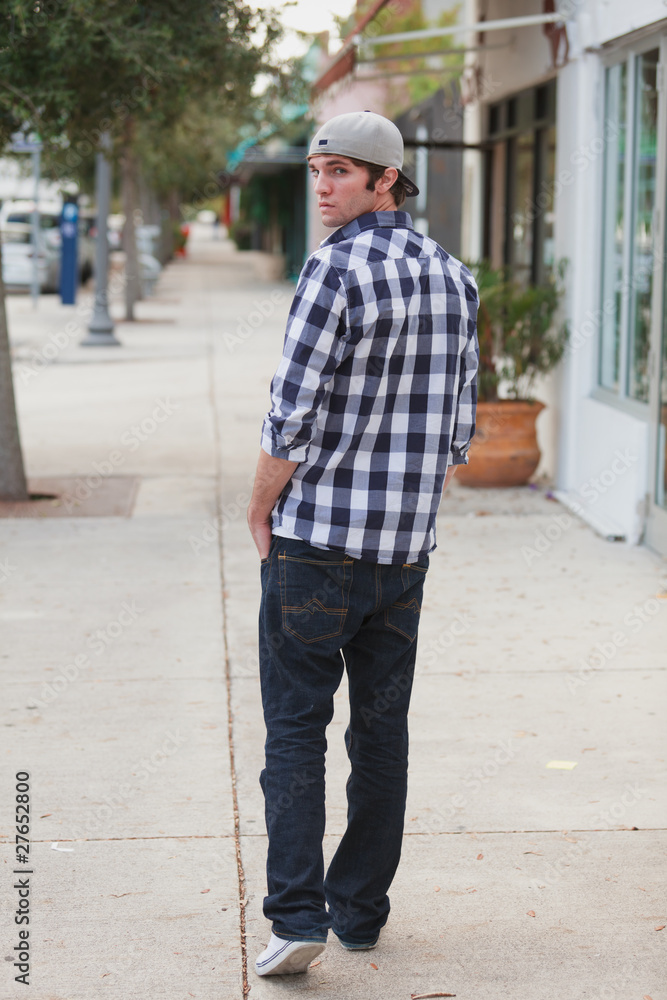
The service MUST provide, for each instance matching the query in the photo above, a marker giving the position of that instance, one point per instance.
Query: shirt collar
(370, 220)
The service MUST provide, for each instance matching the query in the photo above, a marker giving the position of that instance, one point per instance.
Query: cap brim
(411, 189)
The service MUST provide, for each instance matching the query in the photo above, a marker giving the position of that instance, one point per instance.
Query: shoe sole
(296, 961)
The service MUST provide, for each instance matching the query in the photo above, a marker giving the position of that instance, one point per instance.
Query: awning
(347, 59)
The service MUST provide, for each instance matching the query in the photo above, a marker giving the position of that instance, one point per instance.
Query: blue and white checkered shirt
(375, 393)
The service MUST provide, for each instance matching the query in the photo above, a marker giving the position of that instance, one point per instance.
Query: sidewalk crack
(217, 444)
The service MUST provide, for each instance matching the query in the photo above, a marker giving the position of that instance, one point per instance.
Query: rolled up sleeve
(312, 350)
(464, 423)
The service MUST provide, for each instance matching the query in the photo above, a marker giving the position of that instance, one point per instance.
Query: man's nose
(321, 183)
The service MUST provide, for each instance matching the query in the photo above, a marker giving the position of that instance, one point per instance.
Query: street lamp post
(101, 327)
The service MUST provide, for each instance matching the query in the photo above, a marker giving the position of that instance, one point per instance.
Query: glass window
(545, 203)
(646, 146)
(519, 199)
(631, 119)
(613, 225)
(661, 479)
(521, 236)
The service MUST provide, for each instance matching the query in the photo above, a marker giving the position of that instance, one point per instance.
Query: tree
(74, 71)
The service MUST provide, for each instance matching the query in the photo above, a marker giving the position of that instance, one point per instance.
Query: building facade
(564, 158)
(575, 115)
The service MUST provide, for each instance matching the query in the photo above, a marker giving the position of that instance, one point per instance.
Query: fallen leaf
(437, 888)
(44, 815)
(640, 889)
(647, 997)
(424, 996)
(660, 927)
(204, 890)
(480, 857)
(533, 852)
(571, 840)
(588, 748)
(313, 964)
(531, 913)
(373, 966)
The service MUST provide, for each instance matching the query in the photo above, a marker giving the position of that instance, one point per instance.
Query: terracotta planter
(504, 450)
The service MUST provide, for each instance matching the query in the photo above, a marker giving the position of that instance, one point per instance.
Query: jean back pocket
(314, 596)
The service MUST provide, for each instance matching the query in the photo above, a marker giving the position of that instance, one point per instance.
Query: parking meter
(69, 227)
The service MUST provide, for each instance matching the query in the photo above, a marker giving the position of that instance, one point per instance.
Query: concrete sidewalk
(129, 669)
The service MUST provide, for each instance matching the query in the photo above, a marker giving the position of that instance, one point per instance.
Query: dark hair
(375, 172)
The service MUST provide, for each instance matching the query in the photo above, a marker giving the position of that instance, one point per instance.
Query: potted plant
(519, 339)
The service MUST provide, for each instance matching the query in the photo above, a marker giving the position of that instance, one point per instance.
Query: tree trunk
(130, 204)
(12, 476)
(173, 206)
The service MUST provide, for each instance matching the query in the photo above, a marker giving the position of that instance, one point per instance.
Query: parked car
(20, 213)
(18, 257)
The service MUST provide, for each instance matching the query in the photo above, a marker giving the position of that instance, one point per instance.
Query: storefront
(610, 211)
(577, 170)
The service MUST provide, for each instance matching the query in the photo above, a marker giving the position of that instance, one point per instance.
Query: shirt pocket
(314, 596)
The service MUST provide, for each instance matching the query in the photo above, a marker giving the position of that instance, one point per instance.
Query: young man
(372, 401)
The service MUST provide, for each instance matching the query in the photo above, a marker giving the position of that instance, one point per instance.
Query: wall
(598, 442)
(520, 57)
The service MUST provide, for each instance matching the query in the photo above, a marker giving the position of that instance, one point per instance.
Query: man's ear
(387, 181)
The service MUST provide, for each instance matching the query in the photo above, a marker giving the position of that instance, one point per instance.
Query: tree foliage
(415, 70)
(73, 70)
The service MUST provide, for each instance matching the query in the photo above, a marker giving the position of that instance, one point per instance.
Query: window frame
(527, 112)
(628, 54)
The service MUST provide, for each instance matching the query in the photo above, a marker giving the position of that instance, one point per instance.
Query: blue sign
(68, 253)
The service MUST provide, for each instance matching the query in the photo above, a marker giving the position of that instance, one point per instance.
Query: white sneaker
(281, 956)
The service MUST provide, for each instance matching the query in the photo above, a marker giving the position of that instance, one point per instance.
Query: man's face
(341, 189)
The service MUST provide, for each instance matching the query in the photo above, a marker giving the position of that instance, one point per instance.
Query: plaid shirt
(375, 393)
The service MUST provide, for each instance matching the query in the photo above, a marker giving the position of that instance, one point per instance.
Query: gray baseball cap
(363, 135)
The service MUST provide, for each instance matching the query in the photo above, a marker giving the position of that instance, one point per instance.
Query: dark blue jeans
(323, 612)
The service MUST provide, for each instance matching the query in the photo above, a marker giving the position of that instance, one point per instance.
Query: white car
(20, 213)
(18, 259)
